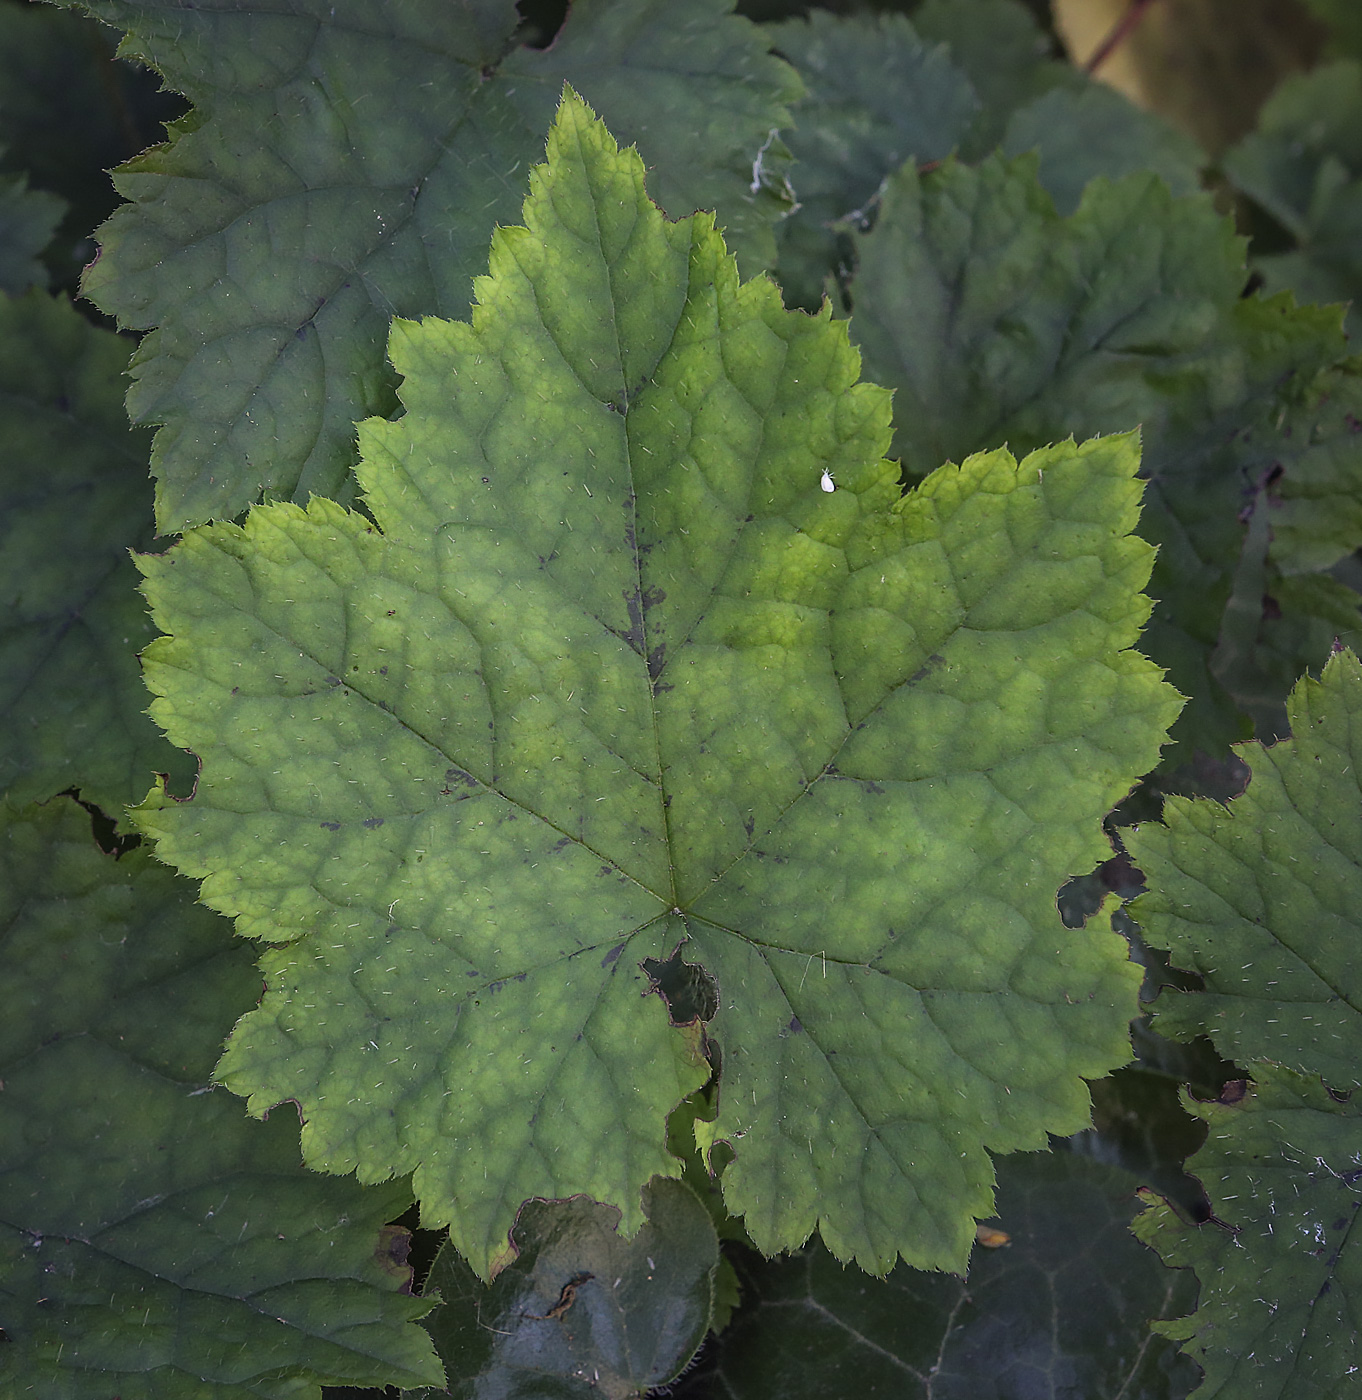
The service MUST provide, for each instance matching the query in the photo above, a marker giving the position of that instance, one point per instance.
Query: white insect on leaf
(827, 482)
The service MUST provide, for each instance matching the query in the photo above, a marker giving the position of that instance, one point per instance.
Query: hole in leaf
(104, 829)
(688, 990)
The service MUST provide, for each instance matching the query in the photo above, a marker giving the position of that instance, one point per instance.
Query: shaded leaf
(1008, 59)
(74, 497)
(27, 220)
(1280, 1276)
(1061, 1311)
(877, 96)
(1231, 485)
(580, 1312)
(694, 87)
(346, 164)
(1261, 897)
(1026, 326)
(1304, 166)
(154, 1242)
(997, 321)
(1082, 132)
(477, 765)
(1139, 1126)
(880, 96)
(1316, 505)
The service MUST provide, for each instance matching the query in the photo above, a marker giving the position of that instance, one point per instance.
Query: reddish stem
(1120, 32)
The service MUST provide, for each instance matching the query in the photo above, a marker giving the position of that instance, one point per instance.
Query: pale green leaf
(154, 1242)
(1262, 897)
(641, 619)
(580, 1313)
(1280, 1275)
(74, 498)
(344, 164)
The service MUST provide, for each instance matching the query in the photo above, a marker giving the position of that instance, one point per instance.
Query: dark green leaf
(995, 320)
(693, 87)
(1280, 1275)
(1059, 1313)
(68, 112)
(877, 97)
(1139, 1125)
(154, 1242)
(580, 1312)
(1304, 166)
(1082, 132)
(1003, 52)
(1262, 897)
(27, 220)
(345, 164)
(74, 498)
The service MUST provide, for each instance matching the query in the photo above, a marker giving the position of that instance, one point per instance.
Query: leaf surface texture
(1261, 898)
(1279, 1269)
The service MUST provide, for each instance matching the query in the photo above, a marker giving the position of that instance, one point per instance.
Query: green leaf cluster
(638, 693)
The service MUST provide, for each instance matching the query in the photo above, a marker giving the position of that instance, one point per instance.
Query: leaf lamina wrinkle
(839, 748)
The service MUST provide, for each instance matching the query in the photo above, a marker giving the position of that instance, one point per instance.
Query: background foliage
(1021, 254)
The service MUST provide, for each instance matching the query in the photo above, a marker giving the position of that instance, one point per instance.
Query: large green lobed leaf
(641, 648)
(154, 1242)
(345, 164)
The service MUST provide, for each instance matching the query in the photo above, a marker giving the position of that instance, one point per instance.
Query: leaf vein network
(447, 758)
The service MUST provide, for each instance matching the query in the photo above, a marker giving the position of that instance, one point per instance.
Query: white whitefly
(827, 482)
